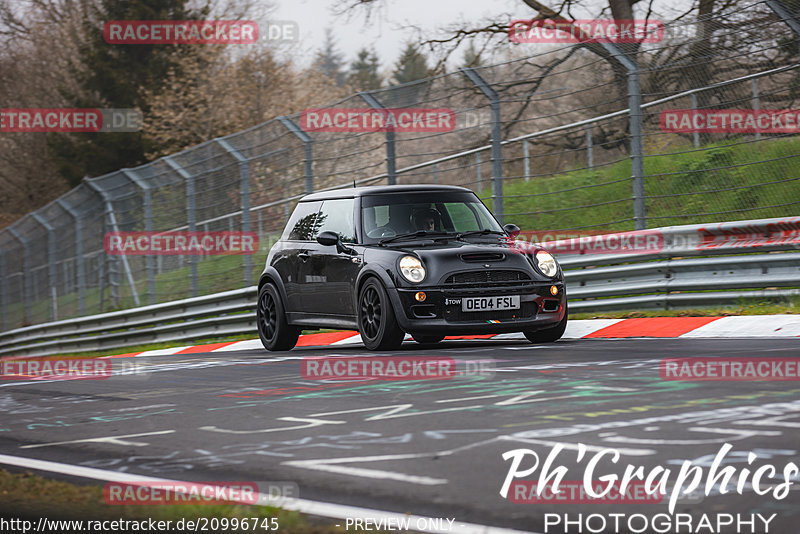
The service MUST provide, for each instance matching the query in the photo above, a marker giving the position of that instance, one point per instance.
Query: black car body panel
(320, 284)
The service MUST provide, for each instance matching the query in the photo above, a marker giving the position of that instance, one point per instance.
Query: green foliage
(116, 76)
(364, 71)
(724, 181)
(411, 66)
(329, 60)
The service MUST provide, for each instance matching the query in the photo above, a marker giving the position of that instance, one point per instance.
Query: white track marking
(355, 339)
(750, 326)
(115, 440)
(163, 352)
(317, 508)
(249, 344)
(330, 465)
(582, 328)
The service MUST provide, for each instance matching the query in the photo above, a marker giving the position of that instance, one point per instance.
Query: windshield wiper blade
(418, 233)
(485, 231)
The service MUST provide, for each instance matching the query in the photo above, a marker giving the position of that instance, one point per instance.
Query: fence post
(3, 292)
(191, 219)
(478, 168)
(756, 104)
(101, 281)
(787, 16)
(148, 227)
(244, 195)
(51, 261)
(589, 147)
(308, 152)
(637, 150)
(112, 220)
(497, 151)
(526, 160)
(391, 156)
(26, 268)
(696, 134)
(79, 259)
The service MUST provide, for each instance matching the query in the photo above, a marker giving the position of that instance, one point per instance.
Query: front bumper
(441, 314)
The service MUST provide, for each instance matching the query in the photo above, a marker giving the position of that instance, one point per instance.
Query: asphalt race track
(427, 447)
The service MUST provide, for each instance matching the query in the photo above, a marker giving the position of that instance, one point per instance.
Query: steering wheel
(381, 231)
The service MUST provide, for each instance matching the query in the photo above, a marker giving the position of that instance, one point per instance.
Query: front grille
(486, 276)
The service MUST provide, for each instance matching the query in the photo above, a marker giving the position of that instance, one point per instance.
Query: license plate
(474, 304)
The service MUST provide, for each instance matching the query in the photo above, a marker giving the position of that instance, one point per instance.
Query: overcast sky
(387, 29)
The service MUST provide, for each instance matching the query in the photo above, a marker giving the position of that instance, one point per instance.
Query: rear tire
(428, 339)
(376, 320)
(275, 332)
(548, 335)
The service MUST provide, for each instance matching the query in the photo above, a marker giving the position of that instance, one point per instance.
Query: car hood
(443, 259)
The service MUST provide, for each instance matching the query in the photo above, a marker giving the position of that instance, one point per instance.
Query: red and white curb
(744, 326)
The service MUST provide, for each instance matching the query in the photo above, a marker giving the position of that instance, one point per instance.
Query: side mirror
(512, 230)
(329, 239)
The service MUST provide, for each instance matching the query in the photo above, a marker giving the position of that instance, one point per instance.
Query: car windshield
(424, 214)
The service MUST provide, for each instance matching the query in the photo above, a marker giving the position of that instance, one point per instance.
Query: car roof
(380, 190)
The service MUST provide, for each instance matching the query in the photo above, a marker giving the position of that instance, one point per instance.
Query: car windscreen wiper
(418, 233)
(485, 231)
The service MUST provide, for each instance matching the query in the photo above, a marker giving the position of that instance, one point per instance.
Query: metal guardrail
(714, 264)
(220, 314)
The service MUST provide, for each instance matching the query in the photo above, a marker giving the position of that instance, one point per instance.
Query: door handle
(304, 256)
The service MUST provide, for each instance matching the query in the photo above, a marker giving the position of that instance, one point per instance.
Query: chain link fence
(567, 137)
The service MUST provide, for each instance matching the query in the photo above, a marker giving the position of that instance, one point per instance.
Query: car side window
(304, 224)
(337, 216)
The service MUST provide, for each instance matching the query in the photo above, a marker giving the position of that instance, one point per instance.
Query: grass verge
(29, 496)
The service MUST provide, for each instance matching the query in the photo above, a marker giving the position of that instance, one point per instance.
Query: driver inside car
(428, 220)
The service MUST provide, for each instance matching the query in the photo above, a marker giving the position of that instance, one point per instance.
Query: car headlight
(411, 269)
(546, 263)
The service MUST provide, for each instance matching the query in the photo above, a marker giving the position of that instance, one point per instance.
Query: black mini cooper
(429, 260)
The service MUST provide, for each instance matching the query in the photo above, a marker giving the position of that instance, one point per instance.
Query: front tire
(275, 332)
(376, 320)
(548, 335)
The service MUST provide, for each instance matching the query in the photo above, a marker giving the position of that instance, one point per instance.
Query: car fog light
(420, 296)
(553, 290)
